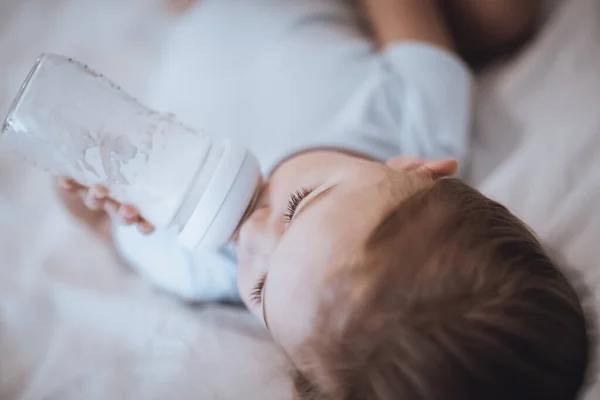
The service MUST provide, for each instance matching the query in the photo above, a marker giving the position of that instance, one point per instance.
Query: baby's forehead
(354, 217)
(354, 246)
(322, 251)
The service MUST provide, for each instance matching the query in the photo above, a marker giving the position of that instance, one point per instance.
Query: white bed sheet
(74, 324)
(537, 143)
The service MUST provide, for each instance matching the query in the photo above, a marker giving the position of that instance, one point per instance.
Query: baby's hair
(454, 299)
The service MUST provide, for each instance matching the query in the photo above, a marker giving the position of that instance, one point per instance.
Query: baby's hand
(180, 5)
(97, 201)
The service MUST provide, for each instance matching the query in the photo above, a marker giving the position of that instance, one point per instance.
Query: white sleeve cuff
(198, 276)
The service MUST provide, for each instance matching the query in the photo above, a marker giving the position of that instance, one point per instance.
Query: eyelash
(256, 293)
(295, 200)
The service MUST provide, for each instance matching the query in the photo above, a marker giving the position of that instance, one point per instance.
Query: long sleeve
(416, 100)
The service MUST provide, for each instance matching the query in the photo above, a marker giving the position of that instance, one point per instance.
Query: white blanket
(75, 324)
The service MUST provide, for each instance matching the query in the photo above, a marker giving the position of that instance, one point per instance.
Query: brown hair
(455, 299)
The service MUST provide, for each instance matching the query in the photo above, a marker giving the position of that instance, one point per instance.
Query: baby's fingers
(68, 184)
(127, 215)
(145, 227)
(121, 214)
(111, 207)
(95, 197)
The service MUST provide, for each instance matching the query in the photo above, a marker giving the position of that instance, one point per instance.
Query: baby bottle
(72, 121)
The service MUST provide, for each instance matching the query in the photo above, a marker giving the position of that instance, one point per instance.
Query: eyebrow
(310, 200)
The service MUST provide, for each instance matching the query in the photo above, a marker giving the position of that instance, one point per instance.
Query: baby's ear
(442, 168)
(406, 163)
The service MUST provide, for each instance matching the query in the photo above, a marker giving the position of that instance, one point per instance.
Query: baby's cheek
(249, 256)
(251, 231)
(244, 283)
(259, 236)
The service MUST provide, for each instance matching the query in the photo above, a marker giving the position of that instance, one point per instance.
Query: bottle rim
(224, 202)
(24, 86)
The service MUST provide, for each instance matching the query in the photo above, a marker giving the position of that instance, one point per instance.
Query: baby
(380, 276)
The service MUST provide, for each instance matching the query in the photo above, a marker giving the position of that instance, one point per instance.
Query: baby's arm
(478, 30)
(417, 98)
(487, 29)
(408, 20)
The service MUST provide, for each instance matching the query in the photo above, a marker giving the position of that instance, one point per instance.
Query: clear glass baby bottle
(72, 121)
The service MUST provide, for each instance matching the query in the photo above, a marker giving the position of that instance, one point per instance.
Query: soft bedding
(75, 324)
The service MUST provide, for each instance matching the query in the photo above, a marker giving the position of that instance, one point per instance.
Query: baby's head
(387, 282)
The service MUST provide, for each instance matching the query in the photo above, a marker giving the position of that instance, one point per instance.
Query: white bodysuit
(282, 76)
